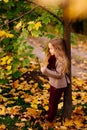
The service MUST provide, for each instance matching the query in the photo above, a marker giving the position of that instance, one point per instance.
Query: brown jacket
(56, 78)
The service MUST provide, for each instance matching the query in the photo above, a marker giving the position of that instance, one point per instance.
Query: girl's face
(51, 49)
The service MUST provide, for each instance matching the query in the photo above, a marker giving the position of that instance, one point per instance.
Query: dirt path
(79, 63)
(79, 56)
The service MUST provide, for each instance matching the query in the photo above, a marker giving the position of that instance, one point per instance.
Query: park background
(25, 29)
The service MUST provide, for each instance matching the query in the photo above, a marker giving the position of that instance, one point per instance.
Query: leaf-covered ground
(24, 102)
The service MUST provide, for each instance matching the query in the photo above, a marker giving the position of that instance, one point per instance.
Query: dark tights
(55, 95)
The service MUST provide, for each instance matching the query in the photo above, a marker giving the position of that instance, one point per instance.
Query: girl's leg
(55, 95)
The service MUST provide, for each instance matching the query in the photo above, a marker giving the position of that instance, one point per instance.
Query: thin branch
(44, 8)
(28, 12)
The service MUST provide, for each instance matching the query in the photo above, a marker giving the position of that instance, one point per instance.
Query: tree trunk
(67, 105)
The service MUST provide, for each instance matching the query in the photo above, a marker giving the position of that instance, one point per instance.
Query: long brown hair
(60, 53)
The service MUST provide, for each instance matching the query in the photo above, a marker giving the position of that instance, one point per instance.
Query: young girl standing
(56, 70)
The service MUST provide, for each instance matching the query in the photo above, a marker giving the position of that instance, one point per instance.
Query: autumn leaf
(3, 60)
(68, 122)
(9, 35)
(2, 127)
(78, 121)
(31, 25)
(78, 110)
(38, 25)
(22, 124)
(6, 1)
(13, 110)
(46, 108)
(18, 25)
(9, 60)
(8, 67)
(16, 83)
(6, 58)
(2, 110)
(43, 80)
(2, 33)
(32, 112)
(6, 34)
(3, 99)
(62, 128)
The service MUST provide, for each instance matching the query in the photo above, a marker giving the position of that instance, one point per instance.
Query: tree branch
(44, 8)
(28, 12)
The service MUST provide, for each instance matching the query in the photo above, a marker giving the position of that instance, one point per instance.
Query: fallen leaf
(16, 83)
(2, 110)
(20, 124)
(68, 122)
(2, 127)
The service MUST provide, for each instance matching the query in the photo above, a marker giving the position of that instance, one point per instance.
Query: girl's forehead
(49, 44)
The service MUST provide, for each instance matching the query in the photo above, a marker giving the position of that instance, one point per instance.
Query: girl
(56, 70)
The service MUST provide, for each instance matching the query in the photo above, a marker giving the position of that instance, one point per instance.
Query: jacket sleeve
(54, 73)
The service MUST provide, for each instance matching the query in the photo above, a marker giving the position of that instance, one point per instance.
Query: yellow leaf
(3, 62)
(63, 128)
(9, 102)
(2, 127)
(30, 129)
(9, 61)
(73, 97)
(6, 34)
(35, 85)
(46, 108)
(3, 59)
(37, 25)
(7, 57)
(2, 33)
(9, 35)
(2, 110)
(60, 105)
(35, 100)
(47, 86)
(6, 1)
(68, 122)
(13, 110)
(78, 121)
(3, 98)
(18, 25)
(31, 22)
(78, 110)
(16, 83)
(41, 78)
(8, 73)
(32, 112)
(34, 106)
(8, 67)
(20, 124)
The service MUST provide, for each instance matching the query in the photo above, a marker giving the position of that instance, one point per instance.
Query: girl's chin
(52, 54)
